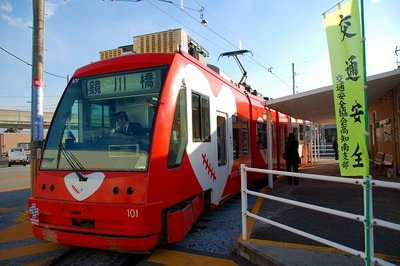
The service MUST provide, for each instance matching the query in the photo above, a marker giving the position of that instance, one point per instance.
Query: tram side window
(262, 135)
(245, 137)
(200, 117)
(283, 138)
(301, 129)
(273, 134)
(236, 141)
(221, 140)
(178, 139)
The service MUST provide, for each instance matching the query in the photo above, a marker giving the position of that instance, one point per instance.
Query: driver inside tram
(126, 127)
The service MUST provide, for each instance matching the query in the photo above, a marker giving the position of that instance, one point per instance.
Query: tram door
(222, 143)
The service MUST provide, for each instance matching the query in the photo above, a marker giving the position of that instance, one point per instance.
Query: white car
(17, 156)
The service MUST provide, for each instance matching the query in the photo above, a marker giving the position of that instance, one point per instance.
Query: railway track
(87, 256)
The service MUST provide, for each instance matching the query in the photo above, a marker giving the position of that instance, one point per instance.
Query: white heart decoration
(203, 156)
(81, 190)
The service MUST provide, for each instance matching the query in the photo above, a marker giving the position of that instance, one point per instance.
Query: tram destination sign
(123, 84)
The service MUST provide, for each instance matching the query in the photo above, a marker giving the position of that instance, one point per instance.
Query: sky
(279, 33)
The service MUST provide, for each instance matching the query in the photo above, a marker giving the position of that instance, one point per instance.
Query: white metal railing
(316, 151)
(369, 221)
(325, 149)
(320, 150)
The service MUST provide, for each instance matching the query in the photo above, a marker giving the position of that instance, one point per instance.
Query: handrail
(367, 181)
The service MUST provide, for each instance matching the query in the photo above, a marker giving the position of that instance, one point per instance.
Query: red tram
(98, 187)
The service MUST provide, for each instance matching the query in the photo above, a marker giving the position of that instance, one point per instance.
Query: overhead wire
(183, 10)
(269, 69)
(182, 23)
(250, 48)
(214, 17)
(216, 33)
(219, 35)
(29, 64)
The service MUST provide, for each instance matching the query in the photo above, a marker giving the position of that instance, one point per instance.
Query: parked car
(17, 156)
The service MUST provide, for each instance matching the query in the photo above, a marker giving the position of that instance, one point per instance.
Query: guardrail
(369, 221)
(323, 150)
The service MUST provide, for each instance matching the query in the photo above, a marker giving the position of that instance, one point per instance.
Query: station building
(383, 94)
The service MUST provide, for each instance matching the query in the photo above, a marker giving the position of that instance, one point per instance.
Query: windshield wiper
(74, 163)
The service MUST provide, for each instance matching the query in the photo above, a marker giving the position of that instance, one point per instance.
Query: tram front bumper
(123, 227)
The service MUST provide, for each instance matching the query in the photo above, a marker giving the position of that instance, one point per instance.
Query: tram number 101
(132, 213)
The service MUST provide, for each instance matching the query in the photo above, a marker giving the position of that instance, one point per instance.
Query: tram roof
(317, 105)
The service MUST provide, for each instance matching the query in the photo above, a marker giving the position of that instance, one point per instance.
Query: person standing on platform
(292, 157)
(335, 148)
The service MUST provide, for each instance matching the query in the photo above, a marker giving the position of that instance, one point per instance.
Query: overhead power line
(13, 55)
(202, 10)
(185, 25)
(29, 64)
(251, 58)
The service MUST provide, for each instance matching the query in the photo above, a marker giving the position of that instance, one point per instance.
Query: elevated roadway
(21, 119)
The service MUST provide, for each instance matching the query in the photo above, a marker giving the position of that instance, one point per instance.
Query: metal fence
(324, 150)
(369, 221)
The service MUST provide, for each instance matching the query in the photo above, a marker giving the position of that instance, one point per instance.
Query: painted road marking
(10, 182)
(14, 178)
(170, 257)
(3, 210)
(16, 232)
(23, 231)
(15, 188)
(30, 250)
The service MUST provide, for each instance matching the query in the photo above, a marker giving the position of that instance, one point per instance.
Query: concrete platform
(270, 245)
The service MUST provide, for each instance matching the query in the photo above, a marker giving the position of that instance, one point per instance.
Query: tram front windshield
(90, 129)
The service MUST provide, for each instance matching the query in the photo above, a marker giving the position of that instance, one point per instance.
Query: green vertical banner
(347, 64)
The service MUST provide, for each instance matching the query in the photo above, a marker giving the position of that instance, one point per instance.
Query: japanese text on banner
(347, 65)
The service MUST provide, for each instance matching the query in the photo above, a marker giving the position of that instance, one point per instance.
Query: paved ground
(18, 246)
(268, 245)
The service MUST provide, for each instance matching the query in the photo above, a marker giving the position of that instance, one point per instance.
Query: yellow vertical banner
(347, 65)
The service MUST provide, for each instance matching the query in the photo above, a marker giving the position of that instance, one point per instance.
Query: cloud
(50, 9)
(6, 13)
(6, 7)
(15, 21)
(53, 5)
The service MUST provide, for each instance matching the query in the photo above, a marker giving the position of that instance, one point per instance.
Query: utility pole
(294, 87)
(37, 88)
